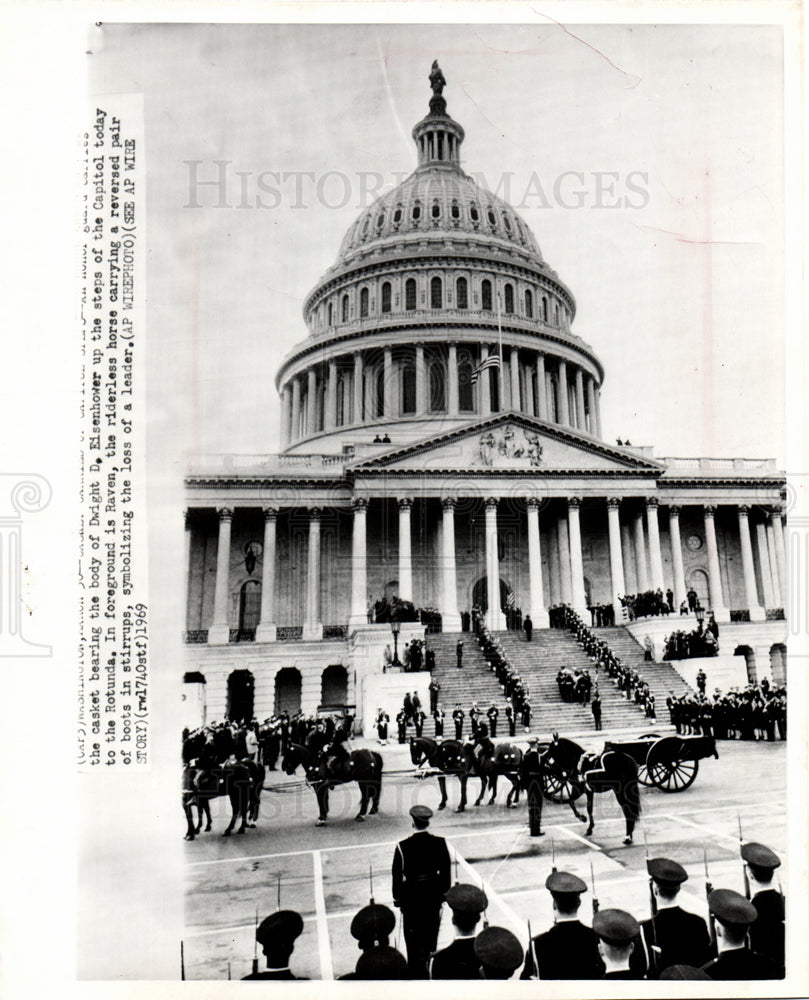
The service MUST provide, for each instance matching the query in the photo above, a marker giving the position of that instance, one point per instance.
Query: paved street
(324, 872)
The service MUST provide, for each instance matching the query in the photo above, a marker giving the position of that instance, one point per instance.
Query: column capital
(775, 512)
(225, 513)
(314, 513)
(651, 502)
(491, 502)
(448, 503)
(405, 503)
(573, 502)
(359, 504)
(743, 509)
(709, 509)
(614, 502)
(674, 510)
(532, 503)
(270, 513)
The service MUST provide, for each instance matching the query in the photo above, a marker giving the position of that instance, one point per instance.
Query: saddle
(339, 770)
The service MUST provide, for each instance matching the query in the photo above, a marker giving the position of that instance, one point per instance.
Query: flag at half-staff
(493, 361)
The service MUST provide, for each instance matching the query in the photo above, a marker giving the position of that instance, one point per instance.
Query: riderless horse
(448, 757)
(363, 766)
(571, 772)
(240, 782)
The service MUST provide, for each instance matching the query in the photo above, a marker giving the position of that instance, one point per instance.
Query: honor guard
(277, 935)
(421, 878)
(457, 960)
(733, 915)
(617, 932)
(498, 953)
(672, 936)
(569, 950)
(371, 926)
(381, 962)
(531, 782)
(767, 931)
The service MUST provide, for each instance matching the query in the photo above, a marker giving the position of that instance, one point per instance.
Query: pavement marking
(476, 879)
(578, 836)
(702, 827)
(324, 945)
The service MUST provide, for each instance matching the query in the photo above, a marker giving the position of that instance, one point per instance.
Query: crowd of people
(414, 657)
(601, 615)
(702, 641)
(744, 938)
(755, 712)
(516, 691)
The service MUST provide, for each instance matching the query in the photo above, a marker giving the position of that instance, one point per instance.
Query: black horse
(569, 772)
(363, 766)
(240, 782)
(448, 757)
(503, 760)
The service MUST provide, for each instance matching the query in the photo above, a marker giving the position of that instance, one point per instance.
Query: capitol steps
(661, 677)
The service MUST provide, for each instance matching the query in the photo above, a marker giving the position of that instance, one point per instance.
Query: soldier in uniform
(617, 932)
(401, 725)
(277, 935)
(458, 717)
(569, 950)
(371, 926)
(673, 936)
(733, 915)
(381, 962)
(421, 878)
(511, 720)
(499, 953)
(531, 783)
(438, 715)
(767, 931)
(492, 715)
(457, 960)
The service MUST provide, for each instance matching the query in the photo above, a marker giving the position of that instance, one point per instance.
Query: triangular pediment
(511, 442)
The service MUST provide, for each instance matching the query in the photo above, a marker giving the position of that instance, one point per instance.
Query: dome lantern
(438, 137)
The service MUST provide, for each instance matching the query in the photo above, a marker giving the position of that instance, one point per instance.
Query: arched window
(341, 399)
(363, 302)
(331, 314)
(397, 215)
(462, 293)
(486, 295)
(436, 210)
(408, 399)
(556, 314)
(438, 386)
(506, 222)
(380, 220)
(344, 309)
(466, 392)
(529, 303)
(509, 297)
(380, 391)
(436, 293)
(544, 316)
(473, 213)
(365, 228)
(249, 605)
(386, 297)
(491, 218)
(455, 212)
(416, 213)
(410, 294)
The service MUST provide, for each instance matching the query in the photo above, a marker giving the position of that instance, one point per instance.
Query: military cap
(421, 812)
(666, 872)
(683, 972)
(565, 882)
(465, 898)
(498, 948)
(759, 856)
(373, 921)
(731, 907)
(382, 962)
(285, 925)
(615, 926)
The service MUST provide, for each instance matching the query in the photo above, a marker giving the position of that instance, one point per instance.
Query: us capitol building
(410, 468)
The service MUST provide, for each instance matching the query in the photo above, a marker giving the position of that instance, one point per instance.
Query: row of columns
(565, 560)
(517, 391)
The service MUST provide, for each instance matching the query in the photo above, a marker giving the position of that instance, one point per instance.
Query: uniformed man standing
(617, 932)
(457, 718)
(531, 782)
(673, 936)
(421, 878)
(733, 915)
(569, 950)
(438, 715)
(492, 715)
(767, 931)
(457, 960)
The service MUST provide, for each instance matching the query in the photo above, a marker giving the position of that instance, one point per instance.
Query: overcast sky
(679, 287)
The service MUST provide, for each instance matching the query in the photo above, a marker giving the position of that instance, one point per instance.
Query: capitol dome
(435, 277)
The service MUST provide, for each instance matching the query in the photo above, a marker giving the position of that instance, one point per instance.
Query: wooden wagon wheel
(673, 776)
(643, 771)
(557, 786)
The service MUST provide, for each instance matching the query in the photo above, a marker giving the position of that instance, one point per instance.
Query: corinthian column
(539, 613)
(764, 563)
(576, 563)
(219, 632)
(755, 609)
(312, 626)
(780, 553)
(562, 392)
(616, 557)
(655, 557)
(266, 630)
(640, 555)
(405, 554)
(359, 577)
(714, 578)
(494, 616)
(450, 619)
(676, 558)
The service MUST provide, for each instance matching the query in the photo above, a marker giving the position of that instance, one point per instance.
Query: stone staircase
(538, 663)
(661, 677)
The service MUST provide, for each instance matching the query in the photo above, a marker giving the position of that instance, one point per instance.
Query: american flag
(511, 600)
(493, 361)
